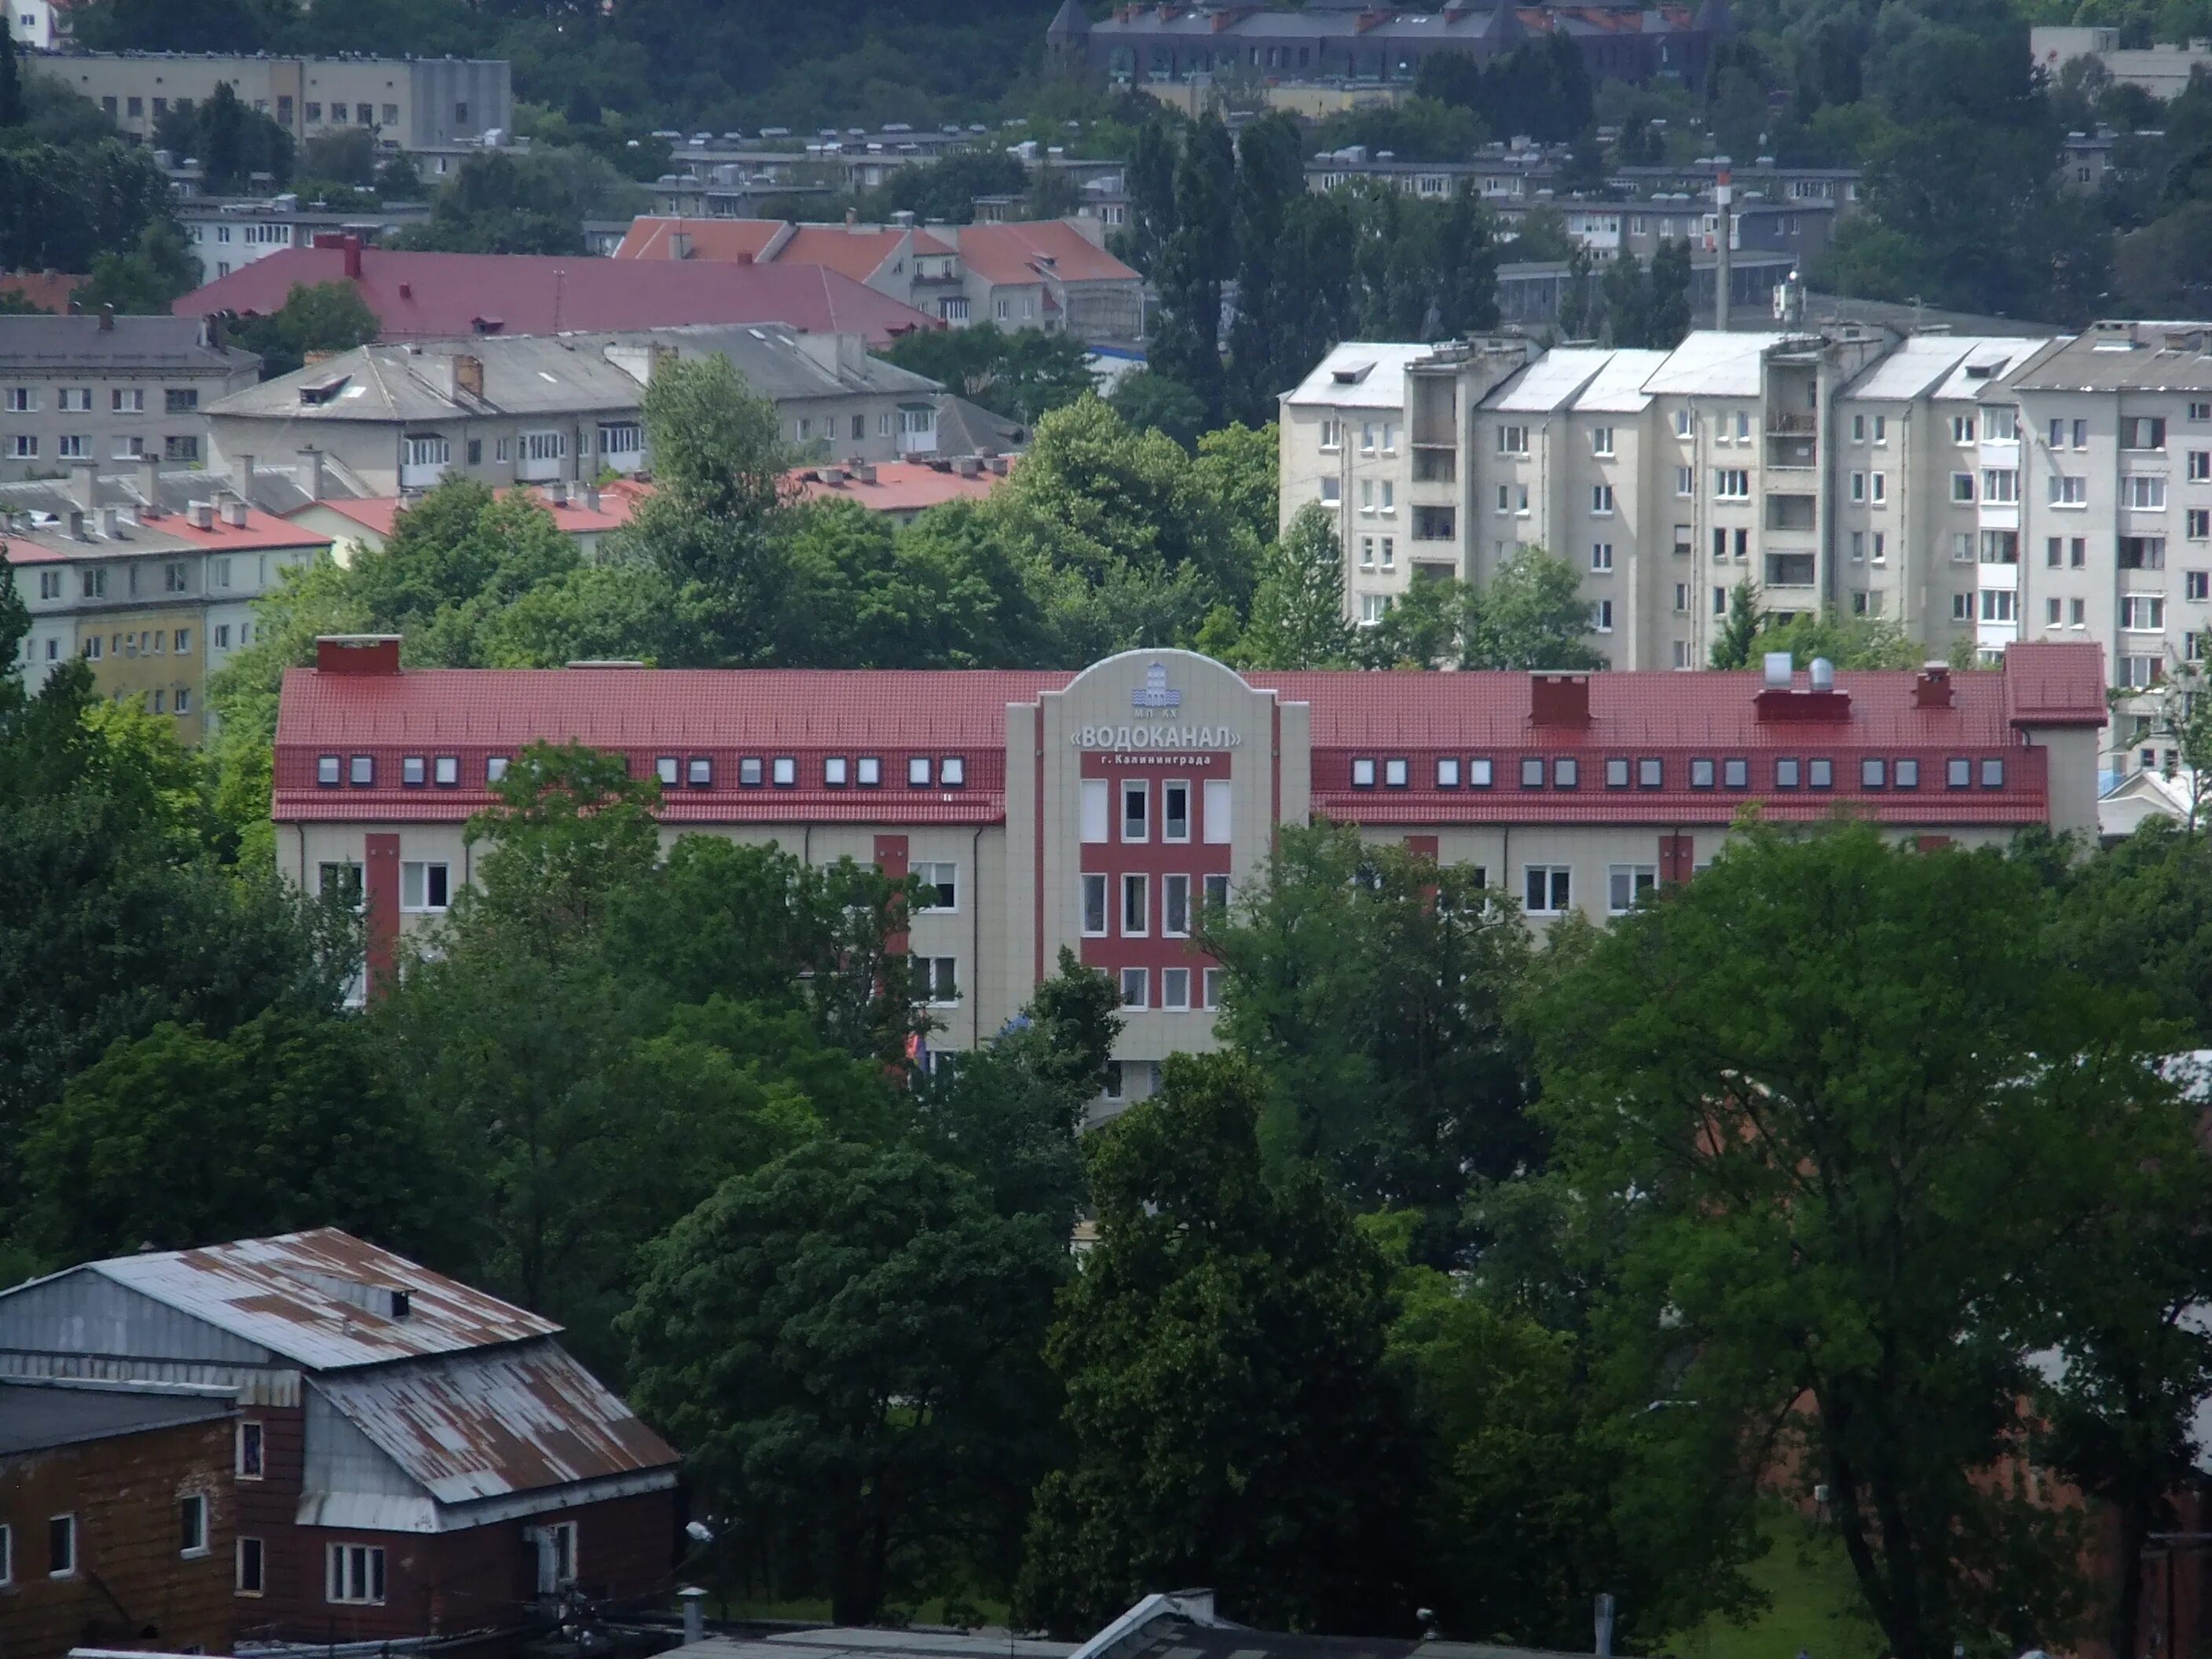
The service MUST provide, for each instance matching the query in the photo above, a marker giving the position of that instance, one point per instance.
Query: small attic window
(321, 391)
(1980, 371)
(1354, 374)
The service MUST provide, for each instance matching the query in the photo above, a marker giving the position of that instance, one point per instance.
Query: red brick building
(411, 1456)
(117, 1516)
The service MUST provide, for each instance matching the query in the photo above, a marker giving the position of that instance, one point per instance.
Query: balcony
(1790, 513)
(1791, 452)
(1781, 424)
(1435, 464)
(1791, 569)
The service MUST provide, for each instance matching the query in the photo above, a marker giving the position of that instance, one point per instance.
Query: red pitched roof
(1011, 254)
(434, 296)
(898, 486)
(651, 237)
(810, 714)
(261, 531)
(859, 250)
(49, 290)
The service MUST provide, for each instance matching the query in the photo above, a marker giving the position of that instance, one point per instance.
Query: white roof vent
(1780, 665)
(1824, 674)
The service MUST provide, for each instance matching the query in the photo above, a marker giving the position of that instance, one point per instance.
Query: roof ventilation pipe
(1824, 674)
(1780, 665)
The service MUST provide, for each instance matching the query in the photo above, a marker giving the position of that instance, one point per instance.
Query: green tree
(1010, 1112)
(1739, 636)
(172, 1138)
(1022, 374)
(709, 528)
(1667, 321)
(329, 317)
(1193, 263)
(848, 1340)
(1530, 614)
(2139, 914)
(1865, 1112)
(12, 109)
(1368, 985)
(232, 142)
(146, 281)
(1152, 401)
(1846, 641)
(1232, 1417)
(1297, 610)
(501, 202)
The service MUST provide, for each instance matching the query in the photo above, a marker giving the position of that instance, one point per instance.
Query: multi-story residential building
(229, 234)
(1052, 274)
(1101, 810)
(2099, 524)
(409, 1456)
(409, 103)
(103, 389)
(562, 408)
(1610, 226)
(1171, 43)
(1912, 487)
(586, 513)
(150, 578)
(41, 25)
(1667, 478)
(118, 1512)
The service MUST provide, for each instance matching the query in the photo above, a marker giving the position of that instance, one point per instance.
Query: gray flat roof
(36, 1416)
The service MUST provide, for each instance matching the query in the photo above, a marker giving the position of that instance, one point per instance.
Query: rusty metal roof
(325, 1299)
(495, 1423)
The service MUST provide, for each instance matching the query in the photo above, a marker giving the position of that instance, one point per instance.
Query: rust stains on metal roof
(491, 1425)
(325, 1299)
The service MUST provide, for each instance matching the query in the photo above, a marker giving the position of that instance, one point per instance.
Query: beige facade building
(105, 389)
(1101, 811)
(150, 578)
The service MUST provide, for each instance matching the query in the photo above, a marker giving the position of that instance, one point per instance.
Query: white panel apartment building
(2107, 532)
(1978, 490)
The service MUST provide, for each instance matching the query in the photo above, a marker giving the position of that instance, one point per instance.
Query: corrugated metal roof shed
(323, 1299)
(485, 1426)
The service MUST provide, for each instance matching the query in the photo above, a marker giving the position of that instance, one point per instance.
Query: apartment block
(1666, 478)
(408, 104)
(104, 389)
(532, 409)
(149, 577)
(2104, 530)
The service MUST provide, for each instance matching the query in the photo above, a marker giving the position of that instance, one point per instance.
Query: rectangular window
(1136, 802)
(1134, 987)
(1096, 793)
(1881, 482)
(1216, 803)
(2000, 486)
(1962, 488)
(1479, 773)
(2143, 432)
(249, 1451)
(1732, 484)
(1210, 988)
(1787, 773)
(61, 1545)
(2196, 524)
(1962, 428)
(937, 980)
(1532, 772)
(192, 1525)
(1094, 905)
(1513, 440)
(940, 886)
(1175, 812)
(1906, 774)
(1601, 616)
(1820, 773)
(1174, 906)
(1548, 889)
(1174, 989)
(1627, 884)
(1601, 500)
(422, 887)
(1600, 441)
(917, 772)
(2143, 613)
(1685, 481)
(1601, 557)
(2062, 490)
(2143, 492)
(413, 770)
(1136, 906)
(355, 1574)
(1213, 892)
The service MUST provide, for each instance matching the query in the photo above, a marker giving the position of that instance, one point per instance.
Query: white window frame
(1169, 786)
(1128, 789)
(1138, 980)
(1093, 883)
(1137, 882)
(1094, 797)
(1639, 880)
(415, 887)
(251, 1433)
(76, 1566)
(927, 872)
(1170, 884)
(353, 1574)
(193, 1518)
(1550, 874)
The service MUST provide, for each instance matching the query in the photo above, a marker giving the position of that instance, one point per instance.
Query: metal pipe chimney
(1723, 193)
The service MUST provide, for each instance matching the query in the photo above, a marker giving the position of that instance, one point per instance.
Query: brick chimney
(468, 375)
(357, 654)
(1932, 690)
(1558, 699)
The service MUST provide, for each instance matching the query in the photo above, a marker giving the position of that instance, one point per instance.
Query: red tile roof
(429, 296)
(898, 487)
(617, 500)
(652, 238)
(1011, 254)
(261, 531)
(859, 252)
(724, 714)
(49, 290)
